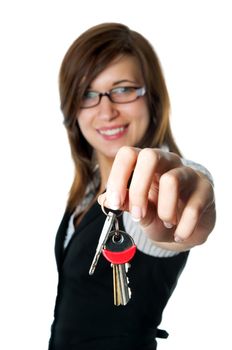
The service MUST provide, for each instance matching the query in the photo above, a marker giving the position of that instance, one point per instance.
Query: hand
(173, 203)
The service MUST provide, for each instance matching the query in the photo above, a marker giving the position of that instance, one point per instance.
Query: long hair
(86, 58)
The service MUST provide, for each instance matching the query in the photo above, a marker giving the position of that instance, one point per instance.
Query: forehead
(122, 68)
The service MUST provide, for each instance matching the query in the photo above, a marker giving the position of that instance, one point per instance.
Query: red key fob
(119, 248)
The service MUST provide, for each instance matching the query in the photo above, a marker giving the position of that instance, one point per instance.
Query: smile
(111, 132)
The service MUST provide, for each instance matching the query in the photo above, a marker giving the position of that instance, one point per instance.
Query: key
(117, 295)
(110, 220)
(123, 284)
(119, 250)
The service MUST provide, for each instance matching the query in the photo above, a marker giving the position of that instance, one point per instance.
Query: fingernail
(168, 224)
(136, 213)
(113, 199)
(177, 239)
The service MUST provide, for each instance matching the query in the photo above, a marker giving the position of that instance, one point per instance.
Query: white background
(193, 41)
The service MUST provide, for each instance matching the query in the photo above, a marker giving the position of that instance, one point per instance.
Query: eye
(88, 95)
(123, 90)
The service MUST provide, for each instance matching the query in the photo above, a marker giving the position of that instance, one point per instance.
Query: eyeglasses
(123, 94)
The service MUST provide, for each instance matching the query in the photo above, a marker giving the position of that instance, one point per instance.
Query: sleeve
(143, 243)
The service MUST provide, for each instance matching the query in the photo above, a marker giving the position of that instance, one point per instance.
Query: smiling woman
(121, 120)
(116, 111)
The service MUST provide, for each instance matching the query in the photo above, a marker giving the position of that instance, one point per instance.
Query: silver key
(123, 281)
(110, 220)
(116, 289)
(122, 292)
(117, 244)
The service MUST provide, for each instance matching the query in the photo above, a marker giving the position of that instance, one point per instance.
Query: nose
(107, 110)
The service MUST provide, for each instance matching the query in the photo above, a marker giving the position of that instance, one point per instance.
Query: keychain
(118, 248)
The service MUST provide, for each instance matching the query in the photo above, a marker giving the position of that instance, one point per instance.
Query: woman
(116, 111)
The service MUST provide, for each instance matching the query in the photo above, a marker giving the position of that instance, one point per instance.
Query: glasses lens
(90, 98)
(123, 94)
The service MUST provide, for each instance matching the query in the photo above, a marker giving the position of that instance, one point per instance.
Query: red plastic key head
(119, 248)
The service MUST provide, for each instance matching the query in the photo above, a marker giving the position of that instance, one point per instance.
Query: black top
(85, 316)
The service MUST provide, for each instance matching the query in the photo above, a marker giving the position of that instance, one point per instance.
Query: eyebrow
(120, 82)
(124, 81)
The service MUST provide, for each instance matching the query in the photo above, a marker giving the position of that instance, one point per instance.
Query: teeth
(110, 132)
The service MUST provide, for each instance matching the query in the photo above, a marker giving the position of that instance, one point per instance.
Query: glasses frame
(140, 91)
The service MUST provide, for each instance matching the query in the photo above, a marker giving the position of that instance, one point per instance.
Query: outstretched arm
(173, 202)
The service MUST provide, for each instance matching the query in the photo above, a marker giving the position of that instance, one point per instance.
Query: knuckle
(149, 155)
(176, 158)
(126, 153)
(169, 180)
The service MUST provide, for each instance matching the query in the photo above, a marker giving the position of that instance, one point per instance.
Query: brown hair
(85, 59)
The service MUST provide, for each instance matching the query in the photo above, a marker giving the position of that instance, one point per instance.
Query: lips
(112, 131)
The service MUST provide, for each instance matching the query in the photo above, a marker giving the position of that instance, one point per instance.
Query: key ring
(114, 211)
(116, 224)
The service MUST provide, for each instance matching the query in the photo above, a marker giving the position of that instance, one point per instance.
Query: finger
(101, 199)
(151, 163)
(120, 174)
(173, 186)
(193, 213)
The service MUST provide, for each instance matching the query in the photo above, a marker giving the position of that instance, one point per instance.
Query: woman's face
(109, 126)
